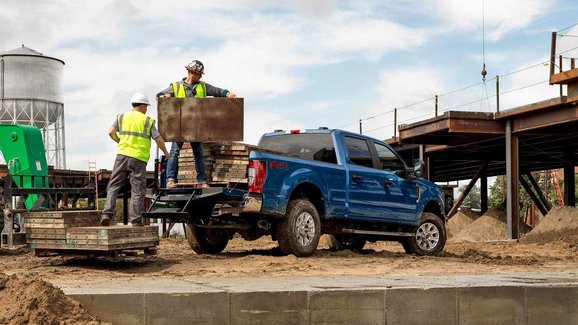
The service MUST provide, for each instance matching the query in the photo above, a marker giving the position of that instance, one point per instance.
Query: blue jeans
(173, 162)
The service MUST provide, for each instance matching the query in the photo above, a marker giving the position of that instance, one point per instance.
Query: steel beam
(569, 179)
(512, 185)
(536, 187)
(484, 191)
(467, 190)
(533, 196)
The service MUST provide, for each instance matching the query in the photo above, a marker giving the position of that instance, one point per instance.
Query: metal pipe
(561, 85)
(497, 93)
(552, 55)
(512, 182)
(1, 79)
(395, 122)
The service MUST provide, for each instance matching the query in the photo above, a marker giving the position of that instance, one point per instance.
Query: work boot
(171, 184)
(137, 222)
(104, 221)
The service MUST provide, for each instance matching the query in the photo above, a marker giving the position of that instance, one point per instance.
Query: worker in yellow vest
(133, 132)
(191, 86)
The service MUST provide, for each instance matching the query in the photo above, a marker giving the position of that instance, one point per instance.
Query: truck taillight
(256, 175)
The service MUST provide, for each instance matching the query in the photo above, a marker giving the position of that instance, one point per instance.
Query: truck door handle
(388, 182)
(356, 178)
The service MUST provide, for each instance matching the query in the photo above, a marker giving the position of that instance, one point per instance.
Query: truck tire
(299, 231)
(206, 241)
(429, 238)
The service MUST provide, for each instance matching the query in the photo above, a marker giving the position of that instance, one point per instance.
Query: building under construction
(516, 142)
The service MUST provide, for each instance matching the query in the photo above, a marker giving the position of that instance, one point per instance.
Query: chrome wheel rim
(305, 226)
(427, 236)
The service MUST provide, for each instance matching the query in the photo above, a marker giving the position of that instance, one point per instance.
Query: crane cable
(484, 72)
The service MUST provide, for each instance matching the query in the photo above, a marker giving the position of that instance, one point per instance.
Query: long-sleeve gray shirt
(190, 90)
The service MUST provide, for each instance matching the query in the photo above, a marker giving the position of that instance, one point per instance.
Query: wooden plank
(200, 119)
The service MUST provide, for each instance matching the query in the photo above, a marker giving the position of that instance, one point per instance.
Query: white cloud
(261, 50)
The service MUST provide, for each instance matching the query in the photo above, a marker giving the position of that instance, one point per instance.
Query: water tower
(31, 94)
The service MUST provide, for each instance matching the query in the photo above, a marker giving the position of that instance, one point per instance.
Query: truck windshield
(310, 146)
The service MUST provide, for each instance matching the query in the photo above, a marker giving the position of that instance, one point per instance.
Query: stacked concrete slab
(80, 230)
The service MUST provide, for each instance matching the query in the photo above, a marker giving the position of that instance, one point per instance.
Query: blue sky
(298, 64)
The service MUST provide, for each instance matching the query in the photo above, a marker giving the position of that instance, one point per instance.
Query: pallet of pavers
(70, 232)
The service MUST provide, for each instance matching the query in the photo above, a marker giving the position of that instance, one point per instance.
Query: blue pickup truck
(305, 183)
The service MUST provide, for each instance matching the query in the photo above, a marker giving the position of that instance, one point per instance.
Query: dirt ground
(262, 258)
(552, 247)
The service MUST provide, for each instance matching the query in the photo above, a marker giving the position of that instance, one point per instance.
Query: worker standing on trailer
(191, 86)
(135, 130)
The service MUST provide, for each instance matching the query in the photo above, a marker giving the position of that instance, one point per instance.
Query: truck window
(389, 161)
(358, 151)
(310, 146)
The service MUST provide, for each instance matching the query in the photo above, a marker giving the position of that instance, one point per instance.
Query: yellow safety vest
(200, 89)
(135, 135)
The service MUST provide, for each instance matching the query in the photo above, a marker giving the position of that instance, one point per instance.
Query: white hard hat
(140, 98)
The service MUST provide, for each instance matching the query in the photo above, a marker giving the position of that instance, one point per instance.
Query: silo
(31, 94)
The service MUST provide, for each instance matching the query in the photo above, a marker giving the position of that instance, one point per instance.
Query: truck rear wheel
(206, 241)
(299, 231)
(429, 238)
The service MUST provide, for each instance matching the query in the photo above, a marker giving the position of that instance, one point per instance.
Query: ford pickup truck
(305, 183)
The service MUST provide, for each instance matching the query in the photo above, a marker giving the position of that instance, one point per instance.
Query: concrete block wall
(509, 305)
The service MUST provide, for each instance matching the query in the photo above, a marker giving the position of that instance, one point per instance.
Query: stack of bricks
(186, 172)
(224, 163)
(230, 163)
(80, 230)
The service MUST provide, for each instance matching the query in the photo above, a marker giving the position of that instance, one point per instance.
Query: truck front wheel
(299, 231)
(206, 241)
(429, 238)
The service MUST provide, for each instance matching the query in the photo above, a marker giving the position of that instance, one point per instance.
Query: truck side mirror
(418, 166)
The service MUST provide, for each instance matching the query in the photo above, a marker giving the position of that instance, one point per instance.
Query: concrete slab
(422, 306)
(548, 305)
(269, 308)
(126, 309)
(496, 299)
(347, 307)
(491, 305)
(187, 308)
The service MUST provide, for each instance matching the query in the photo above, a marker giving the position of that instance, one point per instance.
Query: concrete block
(421, 306)
(126, 309)
(347, 307)
(269, 308)
(552, 305)
(187, 308)
(491, 305)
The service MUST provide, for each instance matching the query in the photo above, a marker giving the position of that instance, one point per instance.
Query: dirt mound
(561, 223)
(28, 300)
(460, 221)
(490, 226)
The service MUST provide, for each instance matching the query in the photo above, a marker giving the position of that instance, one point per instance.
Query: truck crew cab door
(365, 185)
(400, 197)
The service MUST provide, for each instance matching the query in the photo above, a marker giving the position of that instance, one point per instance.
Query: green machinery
(23, 152)
(28, 186)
